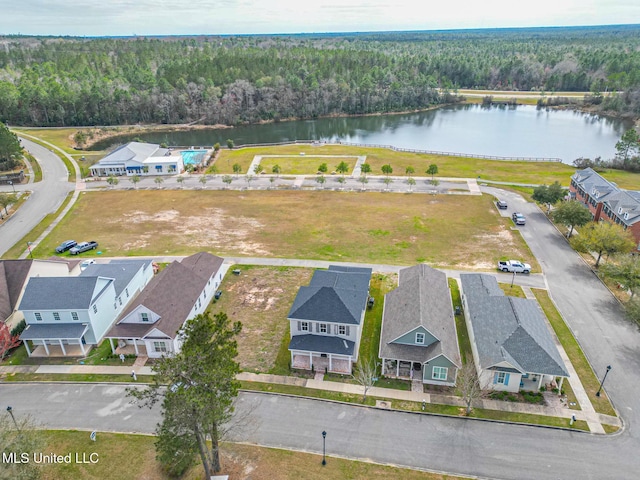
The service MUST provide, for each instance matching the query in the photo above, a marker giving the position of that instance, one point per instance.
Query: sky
(185, 17)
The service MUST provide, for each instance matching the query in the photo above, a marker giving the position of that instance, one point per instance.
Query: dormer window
(626, 215)
(420, 338)
(619, 210)
(144, 317)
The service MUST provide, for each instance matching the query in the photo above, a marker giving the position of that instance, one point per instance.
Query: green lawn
(577, 357)
(512, 290)
(370, 342)
(296, 224)
(304, 165)
(464, 343)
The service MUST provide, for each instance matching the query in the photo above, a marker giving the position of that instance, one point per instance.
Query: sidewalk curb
(443, 415)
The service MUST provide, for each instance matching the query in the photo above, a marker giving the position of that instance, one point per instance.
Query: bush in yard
(19, 328)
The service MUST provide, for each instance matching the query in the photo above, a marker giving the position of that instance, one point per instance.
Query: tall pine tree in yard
(198, 404)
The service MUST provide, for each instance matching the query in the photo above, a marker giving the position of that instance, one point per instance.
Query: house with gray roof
(151, 324)
(136, 158)
(326, 319)
(512, 347)
(419, 338)
(69, 315)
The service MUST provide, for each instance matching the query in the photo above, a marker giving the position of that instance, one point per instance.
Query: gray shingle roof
(132, 151)
(13, 275)
(336, 295)
(59, 293)
(122, 271)
(54, 331)
(509, 329)
(421, 299)
(171, 294)
(322, 344)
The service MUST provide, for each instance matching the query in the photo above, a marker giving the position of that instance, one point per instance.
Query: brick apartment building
(606, 201)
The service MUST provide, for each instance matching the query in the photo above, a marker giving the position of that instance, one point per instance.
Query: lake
(521, 131)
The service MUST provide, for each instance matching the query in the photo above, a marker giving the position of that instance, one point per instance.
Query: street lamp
(14, 187)
(29, 247)
(324, 451)
(603, 379)
(10, 410)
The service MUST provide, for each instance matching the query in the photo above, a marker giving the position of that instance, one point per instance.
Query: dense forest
(236, 79)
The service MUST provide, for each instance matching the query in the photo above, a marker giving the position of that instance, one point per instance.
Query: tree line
(233, 80)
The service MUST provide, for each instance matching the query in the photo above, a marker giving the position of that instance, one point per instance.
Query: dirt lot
(260, 298)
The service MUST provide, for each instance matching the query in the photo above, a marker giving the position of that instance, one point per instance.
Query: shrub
(19, 328)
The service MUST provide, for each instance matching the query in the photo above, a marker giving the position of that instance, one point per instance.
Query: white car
(86, 263)
(514, 266)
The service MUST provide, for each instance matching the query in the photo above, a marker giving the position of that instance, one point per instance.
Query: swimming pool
(192, 157)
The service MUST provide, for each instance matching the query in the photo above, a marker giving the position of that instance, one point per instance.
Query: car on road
(502, 204)
(518, 218)
(66, 245)
(514, 266)
(83, 247)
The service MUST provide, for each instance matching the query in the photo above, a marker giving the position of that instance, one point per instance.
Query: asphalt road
(456, 445)
(45, 198)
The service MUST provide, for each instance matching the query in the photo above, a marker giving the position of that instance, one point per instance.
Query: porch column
(44, 342)
(26, 345)
(397, 368)
(82, 347)
(135, 346)
(64, 352)
(560, 386)
(310, 360)
(540, 382)
(113, 349)
(383, 362)
(330, 364)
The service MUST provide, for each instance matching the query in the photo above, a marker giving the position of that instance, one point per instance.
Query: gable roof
(13, 275)
(133, 152)
(121, 271)
(422, 299)
(62, 293)
(337, 295)
(509, 329)
(171, 294)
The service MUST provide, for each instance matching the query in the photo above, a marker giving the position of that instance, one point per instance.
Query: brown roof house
(418, 338)
(152, 322)
(14, 276)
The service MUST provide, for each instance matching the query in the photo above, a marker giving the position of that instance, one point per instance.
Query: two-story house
(14, 276)
(418, 338)
(326, 319)
(69, 315)
(511, 344)
(151, 324)
(606, 201)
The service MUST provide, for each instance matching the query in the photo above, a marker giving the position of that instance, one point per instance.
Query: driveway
(45, 198)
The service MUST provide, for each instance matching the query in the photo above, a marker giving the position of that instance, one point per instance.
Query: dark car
(83, 247)
(218, 294)
(66, 245)
(502, 205)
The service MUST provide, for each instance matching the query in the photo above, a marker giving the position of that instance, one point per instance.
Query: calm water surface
(522, 131)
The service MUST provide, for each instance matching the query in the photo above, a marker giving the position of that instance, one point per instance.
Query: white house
(151, 324)
(512, 347)
(71, 312)
(326, 319)
(137, 158)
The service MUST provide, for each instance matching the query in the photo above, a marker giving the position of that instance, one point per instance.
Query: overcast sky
(178, 17)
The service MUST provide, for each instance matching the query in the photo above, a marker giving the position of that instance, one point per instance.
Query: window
(205, 294)
(74, 316)
(304, 326)
(115, 306)
(56, 316)
(501, 378)
(322, 327)
(38, 316)
(342, 329)
(440, 373)
(126, 291)
(159, 346)
(420, 338)
(120, 300)
(144, 317)
(95, 309)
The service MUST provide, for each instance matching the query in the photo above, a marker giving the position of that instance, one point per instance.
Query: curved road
(45, 198)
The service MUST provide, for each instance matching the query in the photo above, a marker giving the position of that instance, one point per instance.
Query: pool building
(137, 158)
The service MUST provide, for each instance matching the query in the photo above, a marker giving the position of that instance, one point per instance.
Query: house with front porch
(151, 325)
(326, 319)
(14, 276)
(70, 315)
(419, 338)
(136, 158)
(512, 347)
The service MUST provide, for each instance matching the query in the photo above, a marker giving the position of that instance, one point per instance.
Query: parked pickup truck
(83, 247)
(514, 266)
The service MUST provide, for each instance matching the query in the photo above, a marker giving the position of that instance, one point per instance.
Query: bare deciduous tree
(365, 374)
(469, 386)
